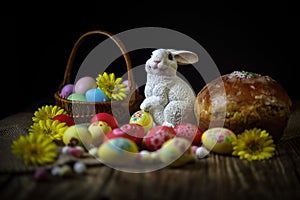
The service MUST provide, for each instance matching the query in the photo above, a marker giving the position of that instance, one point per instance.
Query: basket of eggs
(89, 95)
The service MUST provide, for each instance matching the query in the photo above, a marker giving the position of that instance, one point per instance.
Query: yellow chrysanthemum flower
(111, 86)
(254, 144)
(54, 129)
(47, 112)
(35, 149)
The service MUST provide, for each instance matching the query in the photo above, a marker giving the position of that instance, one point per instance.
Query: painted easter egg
(66, 91)
(84, 84)
(76, 97)
(176, 152)
(158, 135)
(118, 152)
(142, 118)
(135, 131)
(96, 95)
(98, 130)
(189, 131)
(218, 140)
(77, 135)
(105, 117)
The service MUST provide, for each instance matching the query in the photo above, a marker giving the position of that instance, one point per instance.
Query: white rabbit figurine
(169, 99)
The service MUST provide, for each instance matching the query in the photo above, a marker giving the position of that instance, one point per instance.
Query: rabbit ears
(184, 57)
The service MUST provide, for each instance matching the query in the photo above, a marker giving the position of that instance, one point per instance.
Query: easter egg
(96, 95)
(135, 131)
(105, 117)
(118, 152)
(218, 140)
(84, 84)
(77, 97)
(77, 135)
(158, 135)
(189, 131)
(66, 91)
(176, 152)
(142, 118)
(98, 130)
(64, 118)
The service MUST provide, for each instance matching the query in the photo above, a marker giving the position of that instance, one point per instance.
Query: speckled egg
(84, 84)
(98, 130)
(66, 91)
(77, 135)
(176, 152)
(142, 118)
(189, 131)
(96, 95)
(135, 131)
(118, 152)
(76, 97)
(157, 136)
(105, 117)
(218, 140)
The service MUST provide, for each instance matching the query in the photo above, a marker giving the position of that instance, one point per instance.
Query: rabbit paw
(145, 106)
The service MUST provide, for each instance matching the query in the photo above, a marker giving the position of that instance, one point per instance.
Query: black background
(36, 43)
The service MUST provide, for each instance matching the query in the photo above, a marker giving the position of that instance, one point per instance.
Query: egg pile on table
(139, 141)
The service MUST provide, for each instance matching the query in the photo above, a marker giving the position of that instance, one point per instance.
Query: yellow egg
(176, 152)
(118, 152)
(77, 135)
(142, 118)
(218, 140)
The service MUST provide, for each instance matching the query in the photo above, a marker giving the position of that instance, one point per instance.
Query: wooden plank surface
(215, 177)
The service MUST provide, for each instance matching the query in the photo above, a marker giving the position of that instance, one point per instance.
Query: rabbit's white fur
(169, 99)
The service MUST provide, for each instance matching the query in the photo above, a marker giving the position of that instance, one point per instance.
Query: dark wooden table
(215, 177)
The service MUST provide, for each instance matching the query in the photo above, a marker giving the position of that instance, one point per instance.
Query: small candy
(64, 171)
(65, 149)
(118, 152)
(157, 136)
(142, 118)
(66, 91)
(201, 152)
(218, 140)
(194, 148)
(40, 174)
(75, 152)
(55, 170)
(79, 167)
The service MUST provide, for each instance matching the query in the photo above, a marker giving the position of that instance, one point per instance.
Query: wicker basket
(82, 112)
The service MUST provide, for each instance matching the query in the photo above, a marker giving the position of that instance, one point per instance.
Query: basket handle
(117, 42)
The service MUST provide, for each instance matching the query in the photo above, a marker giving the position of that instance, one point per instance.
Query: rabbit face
(162, 62)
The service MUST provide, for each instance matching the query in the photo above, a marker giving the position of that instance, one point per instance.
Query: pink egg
(84, 84)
